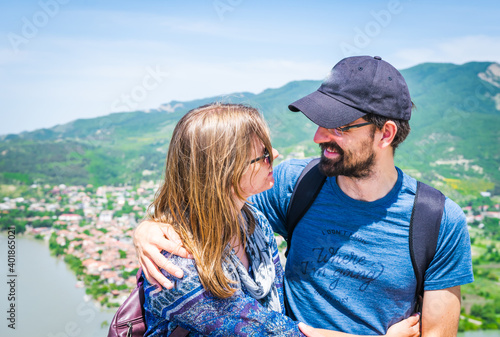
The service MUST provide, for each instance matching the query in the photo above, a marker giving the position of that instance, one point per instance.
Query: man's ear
(388, 132)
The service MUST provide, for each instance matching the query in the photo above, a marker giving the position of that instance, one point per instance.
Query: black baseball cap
(357, 86)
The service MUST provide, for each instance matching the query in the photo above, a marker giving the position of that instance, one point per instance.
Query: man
(349, 267)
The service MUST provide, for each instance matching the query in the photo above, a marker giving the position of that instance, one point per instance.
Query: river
(486, 333)
(47, 303)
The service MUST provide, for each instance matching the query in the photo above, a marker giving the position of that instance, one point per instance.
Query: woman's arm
(151, 237)
(193, 308)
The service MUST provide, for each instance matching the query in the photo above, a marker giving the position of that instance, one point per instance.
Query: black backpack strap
(424, 230)
(305, 191)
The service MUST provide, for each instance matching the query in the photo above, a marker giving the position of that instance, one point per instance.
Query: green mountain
(453, 144)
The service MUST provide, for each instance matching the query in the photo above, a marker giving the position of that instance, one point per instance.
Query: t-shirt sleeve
(452, 263)
(273, 203)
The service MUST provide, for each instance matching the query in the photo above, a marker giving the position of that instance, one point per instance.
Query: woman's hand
(150, 238)
(409, 327)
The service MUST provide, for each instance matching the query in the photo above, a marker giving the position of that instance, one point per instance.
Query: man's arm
(441, 312)
(409, 327)
(197, 310)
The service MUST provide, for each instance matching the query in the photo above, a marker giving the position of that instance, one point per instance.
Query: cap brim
(326, 111)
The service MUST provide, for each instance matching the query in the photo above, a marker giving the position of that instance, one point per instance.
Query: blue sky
(66, 59)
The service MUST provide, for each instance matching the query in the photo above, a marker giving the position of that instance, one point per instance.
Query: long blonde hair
(209, 152)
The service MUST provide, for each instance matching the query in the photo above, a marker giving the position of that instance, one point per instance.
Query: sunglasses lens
(265, 157)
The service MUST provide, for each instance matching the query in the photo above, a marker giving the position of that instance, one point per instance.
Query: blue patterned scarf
(262, 286)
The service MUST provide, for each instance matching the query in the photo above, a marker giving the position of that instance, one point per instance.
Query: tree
(123, 254)
(476, 310)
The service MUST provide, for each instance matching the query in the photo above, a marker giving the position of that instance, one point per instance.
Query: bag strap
(138, 277)
(178, 331)
(306, 189)
(425, 222)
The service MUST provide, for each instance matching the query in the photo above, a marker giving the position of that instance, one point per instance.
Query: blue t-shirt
(349, 267)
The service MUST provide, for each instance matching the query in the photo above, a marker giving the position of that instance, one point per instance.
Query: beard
(355, 164)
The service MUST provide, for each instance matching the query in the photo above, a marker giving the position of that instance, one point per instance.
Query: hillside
(453, 143)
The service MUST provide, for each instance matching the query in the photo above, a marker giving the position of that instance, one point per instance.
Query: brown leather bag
(129, 320)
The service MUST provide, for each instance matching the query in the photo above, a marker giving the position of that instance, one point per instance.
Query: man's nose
(322, 135)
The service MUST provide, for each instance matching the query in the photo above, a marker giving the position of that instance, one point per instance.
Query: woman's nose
(275, 153)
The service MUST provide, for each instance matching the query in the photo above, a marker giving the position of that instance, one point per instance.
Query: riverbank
(101, 256)
(47, 303)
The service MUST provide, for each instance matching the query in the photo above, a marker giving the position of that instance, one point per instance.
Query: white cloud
(472, 48)
(252, 75)
(74, 69)
(456, 50)
(7, 57)
(409, 57)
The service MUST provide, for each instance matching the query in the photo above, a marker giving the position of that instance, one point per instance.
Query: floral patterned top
(190, 306)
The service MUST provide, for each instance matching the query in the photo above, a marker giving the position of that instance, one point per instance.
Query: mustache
(331, 145)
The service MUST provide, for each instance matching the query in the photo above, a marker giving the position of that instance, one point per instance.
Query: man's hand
(150, 238)
(409, 327)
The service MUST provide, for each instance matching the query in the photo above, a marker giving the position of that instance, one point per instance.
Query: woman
(220, 155)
